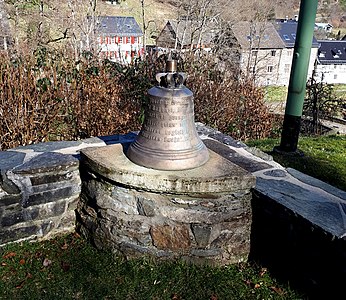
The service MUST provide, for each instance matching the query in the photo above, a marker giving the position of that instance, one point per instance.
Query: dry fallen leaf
(65, 266)
(20, 285)
(263, 271)
(278, 290)
(46, 262)
(9, 255)
(22, 261)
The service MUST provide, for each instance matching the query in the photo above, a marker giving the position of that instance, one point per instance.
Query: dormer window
(335, 55)
(286, 37)
(293, 35)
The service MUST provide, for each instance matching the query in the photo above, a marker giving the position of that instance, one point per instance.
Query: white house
(119, 38)
(331, 62)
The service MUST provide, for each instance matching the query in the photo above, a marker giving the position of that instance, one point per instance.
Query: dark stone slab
(50, 178)
(276, 173)
(217, 135)
(297, 251)
(50, 196)
(47, 162)
(92, 140)
(10, 160)
(320, 209)
(317, 183)
(119, 138)
(225, 139)
(10, 199)
(50, 146)
(19, 217)
(231, 155)
(11, 235)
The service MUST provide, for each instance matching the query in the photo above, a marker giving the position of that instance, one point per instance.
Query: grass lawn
(275, 93)
(68, 267)
(279, 93)
(340, 90)
(325, 157)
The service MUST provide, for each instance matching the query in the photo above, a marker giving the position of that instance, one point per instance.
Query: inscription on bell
(167, 118)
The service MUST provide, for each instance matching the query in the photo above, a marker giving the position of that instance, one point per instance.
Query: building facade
(261, 51)
(119, 38)
(287, 30)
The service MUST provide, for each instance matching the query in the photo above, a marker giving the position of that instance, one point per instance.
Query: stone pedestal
(201, 215)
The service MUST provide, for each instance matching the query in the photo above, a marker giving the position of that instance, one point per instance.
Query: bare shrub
(49, 96)
(228, 102)
(52, 97)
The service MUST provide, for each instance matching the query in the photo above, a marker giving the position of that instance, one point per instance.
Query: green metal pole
(298, 77)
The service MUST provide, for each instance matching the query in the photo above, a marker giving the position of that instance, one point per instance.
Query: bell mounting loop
(171, 79)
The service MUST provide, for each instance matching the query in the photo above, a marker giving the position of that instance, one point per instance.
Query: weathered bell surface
(168, 139)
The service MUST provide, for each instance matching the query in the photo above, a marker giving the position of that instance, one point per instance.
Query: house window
(270, 69)
(294, 36)
(335, 66)
(286, 37)
(120, 40)
(273, 52)
(335, 76)
(268, 81)
(135, 40)
(113, 40)
(127, 40)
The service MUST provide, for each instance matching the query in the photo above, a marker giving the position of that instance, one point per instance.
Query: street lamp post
(298, 77)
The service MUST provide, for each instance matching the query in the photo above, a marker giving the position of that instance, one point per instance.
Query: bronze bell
(168, 139)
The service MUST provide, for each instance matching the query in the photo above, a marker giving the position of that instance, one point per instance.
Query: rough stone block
(7, 200)
(202, 234)
(171, 237)
(52, 195)
(15, 234)
(47, 178)
(47, 162)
